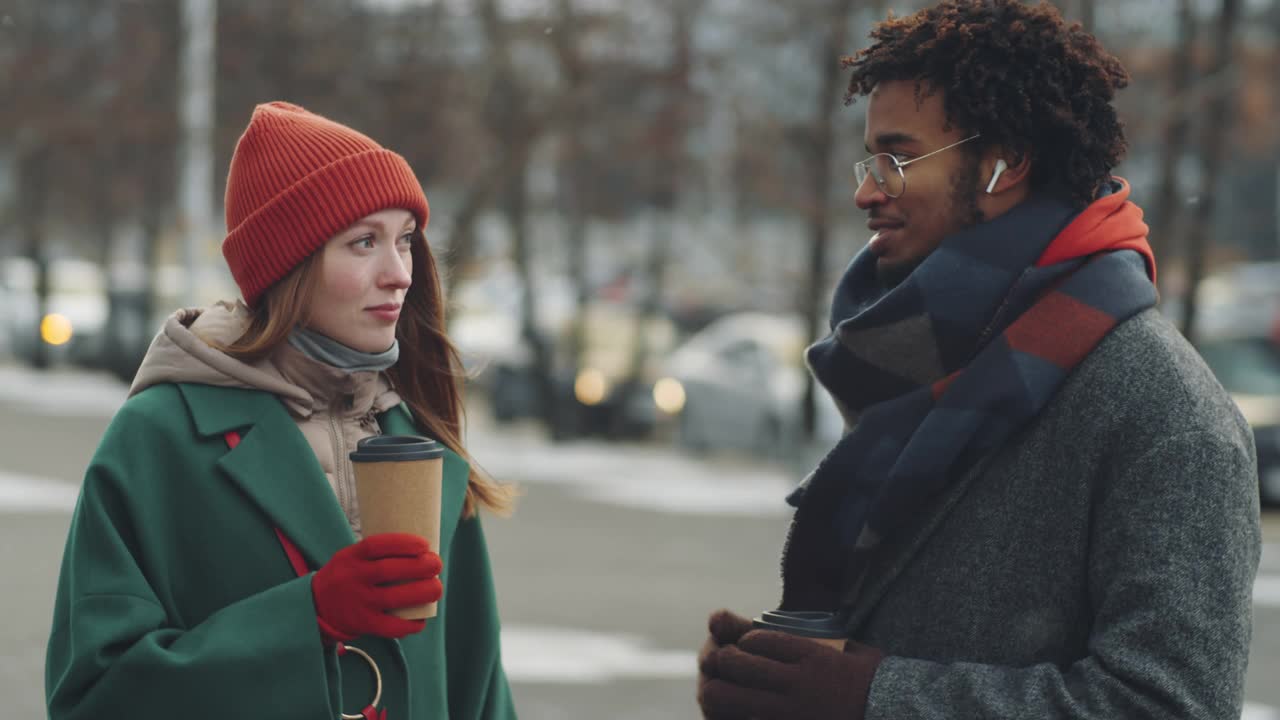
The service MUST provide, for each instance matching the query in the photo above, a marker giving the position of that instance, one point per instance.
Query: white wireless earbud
(1000, 167)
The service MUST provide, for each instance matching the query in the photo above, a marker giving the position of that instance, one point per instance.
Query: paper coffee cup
(817, 625)
(398, 485)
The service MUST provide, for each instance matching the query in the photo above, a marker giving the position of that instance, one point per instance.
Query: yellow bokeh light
(590, 387)
(668, 395)
(55, 329)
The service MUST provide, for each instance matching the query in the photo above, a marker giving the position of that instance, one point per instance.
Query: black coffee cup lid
(396, 448)
(806, 623)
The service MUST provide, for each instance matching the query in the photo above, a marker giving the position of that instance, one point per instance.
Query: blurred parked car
(71, 327)
(1249, 368)
(597, 393)
(484, 320)
(741, 380)
(1236, 300)
(93, 319)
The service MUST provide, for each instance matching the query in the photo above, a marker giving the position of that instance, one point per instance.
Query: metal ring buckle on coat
(377, 695)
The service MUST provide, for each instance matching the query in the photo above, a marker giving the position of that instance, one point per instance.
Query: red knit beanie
(296, 180)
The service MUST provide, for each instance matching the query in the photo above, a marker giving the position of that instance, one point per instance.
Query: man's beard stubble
(964, 211)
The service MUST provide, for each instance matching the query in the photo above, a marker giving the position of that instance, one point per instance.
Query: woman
(216, 566)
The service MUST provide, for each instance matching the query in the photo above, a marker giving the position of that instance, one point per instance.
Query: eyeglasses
(887, 169)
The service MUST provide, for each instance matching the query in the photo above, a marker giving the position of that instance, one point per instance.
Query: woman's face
(365, 271)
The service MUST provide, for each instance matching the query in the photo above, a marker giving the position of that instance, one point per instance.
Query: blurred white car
(737, 384)
(1249, 368)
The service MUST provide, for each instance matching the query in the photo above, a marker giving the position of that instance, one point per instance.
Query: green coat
(176, 599)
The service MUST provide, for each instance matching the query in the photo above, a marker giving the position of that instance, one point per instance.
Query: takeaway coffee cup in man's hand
(820, 626)
(398, 479)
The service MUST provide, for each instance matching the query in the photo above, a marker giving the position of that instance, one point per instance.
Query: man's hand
(725, 629)
(774, 676)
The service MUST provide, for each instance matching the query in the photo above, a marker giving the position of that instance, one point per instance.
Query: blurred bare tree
(320, 54)
(819, 152)
(516, 118)
(574, 69)
(668, 165)
(69, 67)
(682, 157)
(1213, 135)
(1168, 206)
(1088, 11)
(138, 156)
(43, 52)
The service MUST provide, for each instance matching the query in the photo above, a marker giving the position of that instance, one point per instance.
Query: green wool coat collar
(295, 495)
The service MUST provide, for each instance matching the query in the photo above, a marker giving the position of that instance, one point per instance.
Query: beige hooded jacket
(334, 409)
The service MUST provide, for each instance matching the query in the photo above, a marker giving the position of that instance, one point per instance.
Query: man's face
(941, 191)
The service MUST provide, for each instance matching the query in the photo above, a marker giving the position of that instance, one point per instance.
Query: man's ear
(1001, 166)
(1005, 168)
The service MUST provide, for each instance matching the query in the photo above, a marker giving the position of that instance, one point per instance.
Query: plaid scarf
(941, 370)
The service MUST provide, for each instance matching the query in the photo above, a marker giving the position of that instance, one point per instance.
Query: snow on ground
(1266, 589)
(539, 654)
(61, 393)
(1254, 711)
(640, 477)
(25, 494)
(647, 478)
(643, 477)
(20, 494)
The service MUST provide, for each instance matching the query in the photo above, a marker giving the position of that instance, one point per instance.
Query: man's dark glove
(725, 629)
(774, 676)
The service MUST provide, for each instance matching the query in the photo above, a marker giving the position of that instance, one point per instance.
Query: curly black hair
(1018, 74)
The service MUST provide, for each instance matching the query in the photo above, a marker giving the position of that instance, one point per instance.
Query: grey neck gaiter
(324, 349)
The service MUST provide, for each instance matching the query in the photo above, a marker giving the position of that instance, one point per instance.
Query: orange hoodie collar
(1109, 223)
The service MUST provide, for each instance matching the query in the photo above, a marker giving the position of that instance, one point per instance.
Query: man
(1046, 506)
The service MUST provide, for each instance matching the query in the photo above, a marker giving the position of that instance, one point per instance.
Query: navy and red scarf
(941, 369)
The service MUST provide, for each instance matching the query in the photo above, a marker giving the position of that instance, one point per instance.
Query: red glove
(775, 676)
(353, 592)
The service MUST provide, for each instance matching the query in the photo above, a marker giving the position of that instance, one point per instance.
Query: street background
(605, 574)
(639, 210)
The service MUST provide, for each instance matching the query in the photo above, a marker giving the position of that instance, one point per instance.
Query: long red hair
(428, 375)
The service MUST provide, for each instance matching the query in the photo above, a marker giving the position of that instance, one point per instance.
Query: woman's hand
(361, 582)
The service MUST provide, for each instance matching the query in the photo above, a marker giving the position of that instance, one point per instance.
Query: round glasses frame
(871, 166)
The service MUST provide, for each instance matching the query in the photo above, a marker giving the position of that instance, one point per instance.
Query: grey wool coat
(1100, 565)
